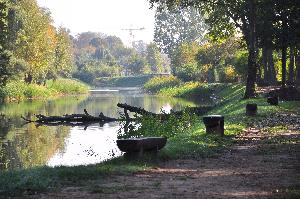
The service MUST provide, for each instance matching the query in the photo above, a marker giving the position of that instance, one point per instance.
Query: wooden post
(251, 109)
(214, 124)
(273, 100)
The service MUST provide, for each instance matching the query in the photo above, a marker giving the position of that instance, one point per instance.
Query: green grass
(186, 140)
(43, 179)
(18, 91)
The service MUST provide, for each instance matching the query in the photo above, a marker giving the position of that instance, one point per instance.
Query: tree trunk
(272, 72)
(298, 66)
(283, 49)
(283, 60)
(28, 78)
(265, 65)
(251, 74)
(291, 79)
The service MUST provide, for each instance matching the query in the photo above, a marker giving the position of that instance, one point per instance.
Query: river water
(27, 145)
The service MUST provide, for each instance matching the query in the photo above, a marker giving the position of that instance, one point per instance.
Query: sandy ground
(254, 167)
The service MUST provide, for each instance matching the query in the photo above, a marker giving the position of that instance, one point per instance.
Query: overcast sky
(106, 16)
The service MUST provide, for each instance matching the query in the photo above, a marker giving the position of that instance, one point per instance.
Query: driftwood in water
(73, 119)
(87, 119)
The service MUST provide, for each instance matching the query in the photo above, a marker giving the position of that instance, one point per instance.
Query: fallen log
(72, 120)
(87, 119)
(141, 111)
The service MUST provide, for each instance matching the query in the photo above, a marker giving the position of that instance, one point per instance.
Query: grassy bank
(18, 91)
(131, 81)
(186, 140)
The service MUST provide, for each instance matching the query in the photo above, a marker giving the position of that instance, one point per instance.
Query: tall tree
(36, 41)
(174, 26)
(154, 58)
(64, 60)
(222, 17)
(4, 56)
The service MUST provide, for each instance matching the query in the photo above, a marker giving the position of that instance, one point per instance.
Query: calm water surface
(25, 146)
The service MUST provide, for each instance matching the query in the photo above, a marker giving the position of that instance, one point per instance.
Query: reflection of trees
(27, 146)
(34, 147)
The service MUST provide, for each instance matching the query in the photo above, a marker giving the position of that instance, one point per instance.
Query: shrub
(68, 86)
(181, 90)
(17, 90)
(157, 83)
(36, 91)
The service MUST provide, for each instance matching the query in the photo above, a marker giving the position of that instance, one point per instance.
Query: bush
(13, 91)
(36, 91)
(157, 83)
(229, 74)
(68, 86)
(179, 91)
(17, 90)
(187, 72)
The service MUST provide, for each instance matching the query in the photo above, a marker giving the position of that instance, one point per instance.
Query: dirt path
(257, 166)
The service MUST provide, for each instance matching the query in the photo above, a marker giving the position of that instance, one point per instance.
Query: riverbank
(190, 154)
(19, 91)
(130, 81)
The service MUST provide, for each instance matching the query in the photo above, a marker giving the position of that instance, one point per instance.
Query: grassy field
(186, 140)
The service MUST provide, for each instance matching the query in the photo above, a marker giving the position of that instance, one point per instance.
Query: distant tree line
(99, 55)
(266, 50)
(33, 50)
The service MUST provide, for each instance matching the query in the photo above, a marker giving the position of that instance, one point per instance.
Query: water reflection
(24, 146)
(94, 145)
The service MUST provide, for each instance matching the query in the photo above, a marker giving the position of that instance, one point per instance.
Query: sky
(106, 16)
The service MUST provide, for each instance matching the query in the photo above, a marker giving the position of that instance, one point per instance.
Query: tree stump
(251, 109)
(214, 124)
(273, 100)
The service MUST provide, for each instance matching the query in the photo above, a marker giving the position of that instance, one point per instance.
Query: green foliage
(219, 56)
(186, 89)
(37, 51)
(68, 86)
(64, 60)
(152, 126)
(129, 81)
(94, 70)
(16, 90)
(137, 65)
(175, 26)
(98, 56)
(157, 83)
(154, 58)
